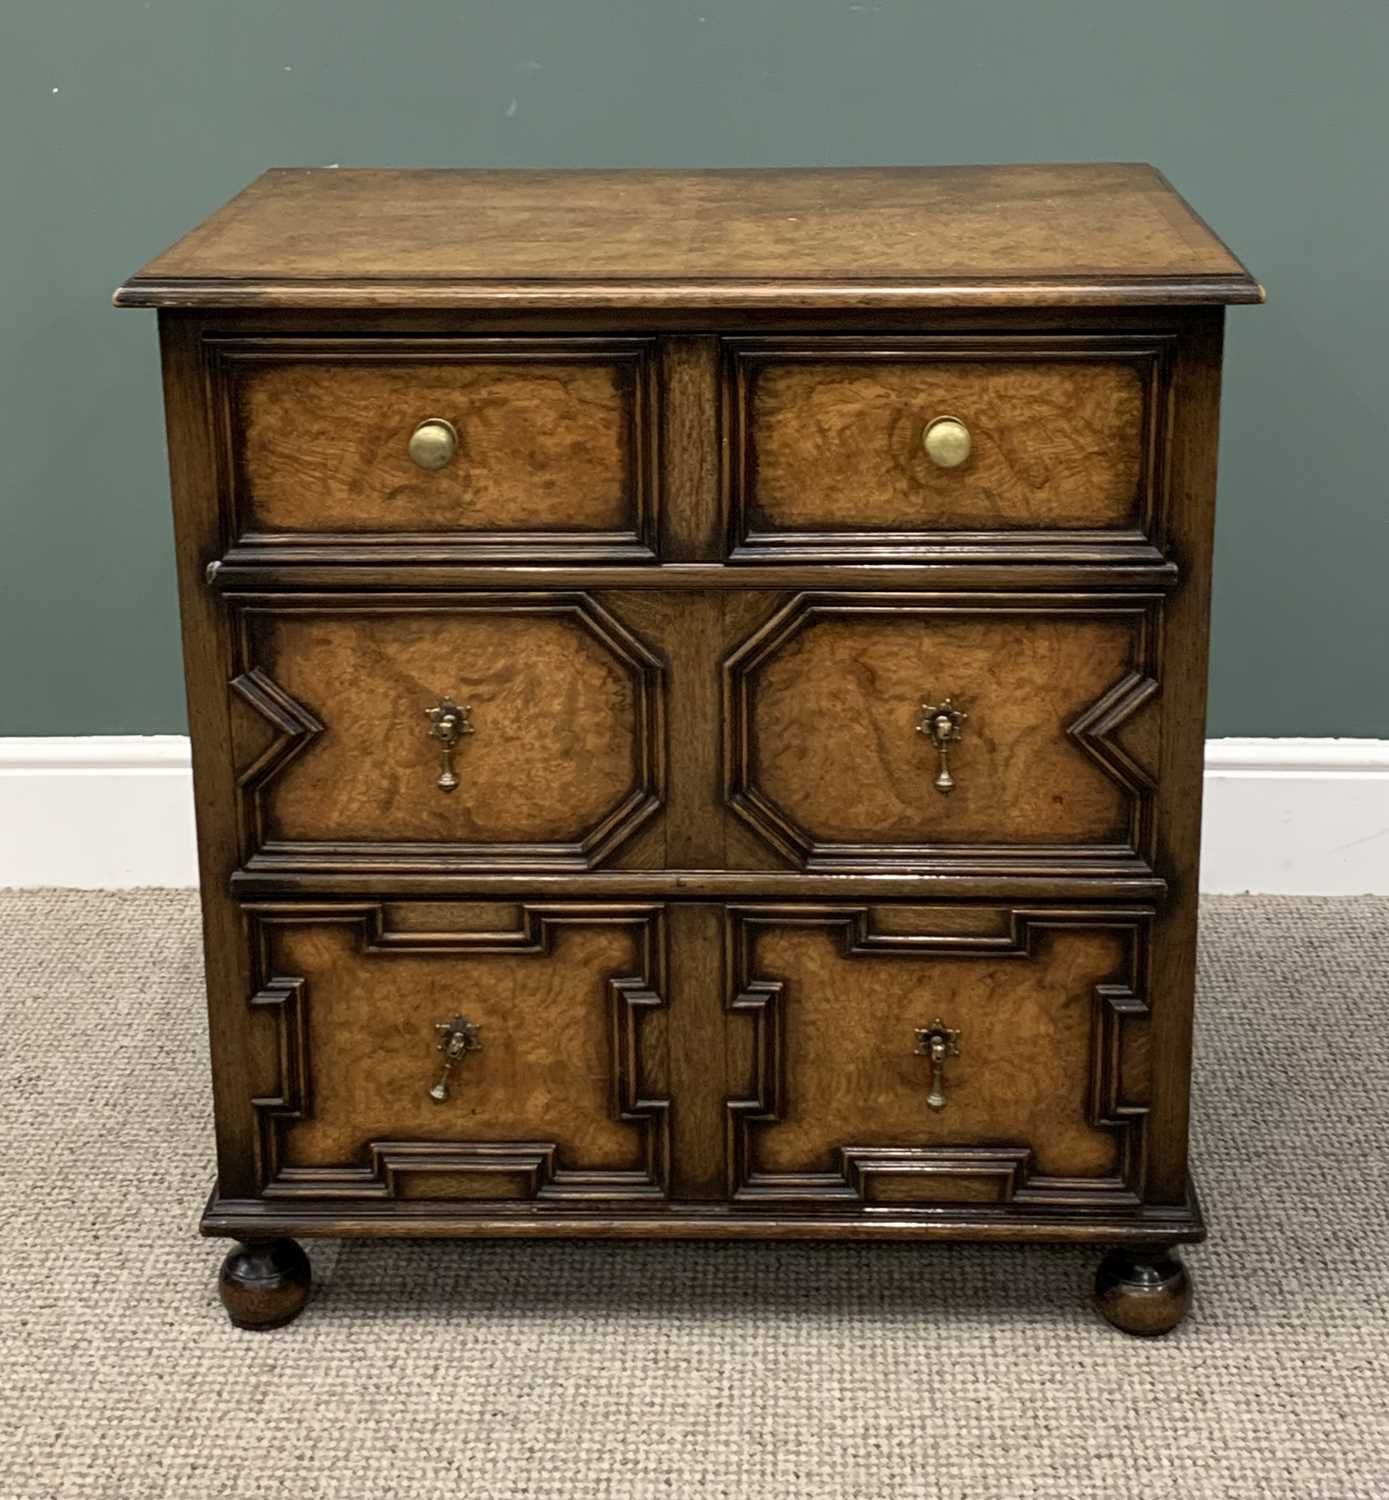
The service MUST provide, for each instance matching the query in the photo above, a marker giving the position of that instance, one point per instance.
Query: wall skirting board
(1294, 816)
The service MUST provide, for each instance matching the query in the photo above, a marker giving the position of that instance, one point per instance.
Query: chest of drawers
(696, 685)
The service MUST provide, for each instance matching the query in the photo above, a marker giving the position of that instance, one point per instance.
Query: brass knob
(947, 442)
(434, 443)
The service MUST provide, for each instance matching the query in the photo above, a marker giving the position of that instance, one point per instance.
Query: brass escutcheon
(943, 724)
(448, 723)
(455, 1038)
(937, 1041)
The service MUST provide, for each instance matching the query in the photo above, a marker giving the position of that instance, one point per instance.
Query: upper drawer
(488, 448)
(844, 447)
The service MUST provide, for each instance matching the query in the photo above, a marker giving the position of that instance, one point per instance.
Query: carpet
(726, 1371)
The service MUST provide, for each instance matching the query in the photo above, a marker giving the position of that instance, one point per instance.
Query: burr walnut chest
(696, 684)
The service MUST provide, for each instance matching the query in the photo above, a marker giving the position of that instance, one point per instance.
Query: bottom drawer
(938, 1055)
(790, 1058)
(450, 1050)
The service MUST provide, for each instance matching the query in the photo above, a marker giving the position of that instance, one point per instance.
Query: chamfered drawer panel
(459, 1050)
(539, 443)
(887, 729)
(483, 730)
(931, 1054)
(821, 731)
(843, 441)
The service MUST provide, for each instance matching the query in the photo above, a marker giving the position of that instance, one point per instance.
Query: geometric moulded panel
(557, 1098)
(827, 756)
(560, 752)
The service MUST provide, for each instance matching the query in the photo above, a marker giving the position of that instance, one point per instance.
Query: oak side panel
(198, 527)
(1185, 647)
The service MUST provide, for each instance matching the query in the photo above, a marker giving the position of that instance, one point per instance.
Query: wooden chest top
(1108, 233)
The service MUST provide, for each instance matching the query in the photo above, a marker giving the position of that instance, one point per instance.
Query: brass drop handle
(448, 723)
(937, 1041)
(455, 1038)
(947, 442)
(434, 443)
(943, 724)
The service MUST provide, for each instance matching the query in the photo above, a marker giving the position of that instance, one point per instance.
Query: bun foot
(265, 1284)
(1143, 1292)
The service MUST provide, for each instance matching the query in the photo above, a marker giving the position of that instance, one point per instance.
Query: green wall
(123, 122)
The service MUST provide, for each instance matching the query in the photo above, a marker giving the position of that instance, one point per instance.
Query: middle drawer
(503, 730)
(708, 729)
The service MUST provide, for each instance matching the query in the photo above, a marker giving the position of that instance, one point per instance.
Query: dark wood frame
(1169, 1212)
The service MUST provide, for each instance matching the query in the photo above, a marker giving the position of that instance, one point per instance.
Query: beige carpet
(501, 1371)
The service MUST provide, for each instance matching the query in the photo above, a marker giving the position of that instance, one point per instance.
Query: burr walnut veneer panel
(829, 694)
(565, 751)
(832, 433)
(558, 1099)
(555, 441)
(1044, 1094)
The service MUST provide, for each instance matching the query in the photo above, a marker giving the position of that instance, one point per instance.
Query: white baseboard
(101, 811)
(1298, 817)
